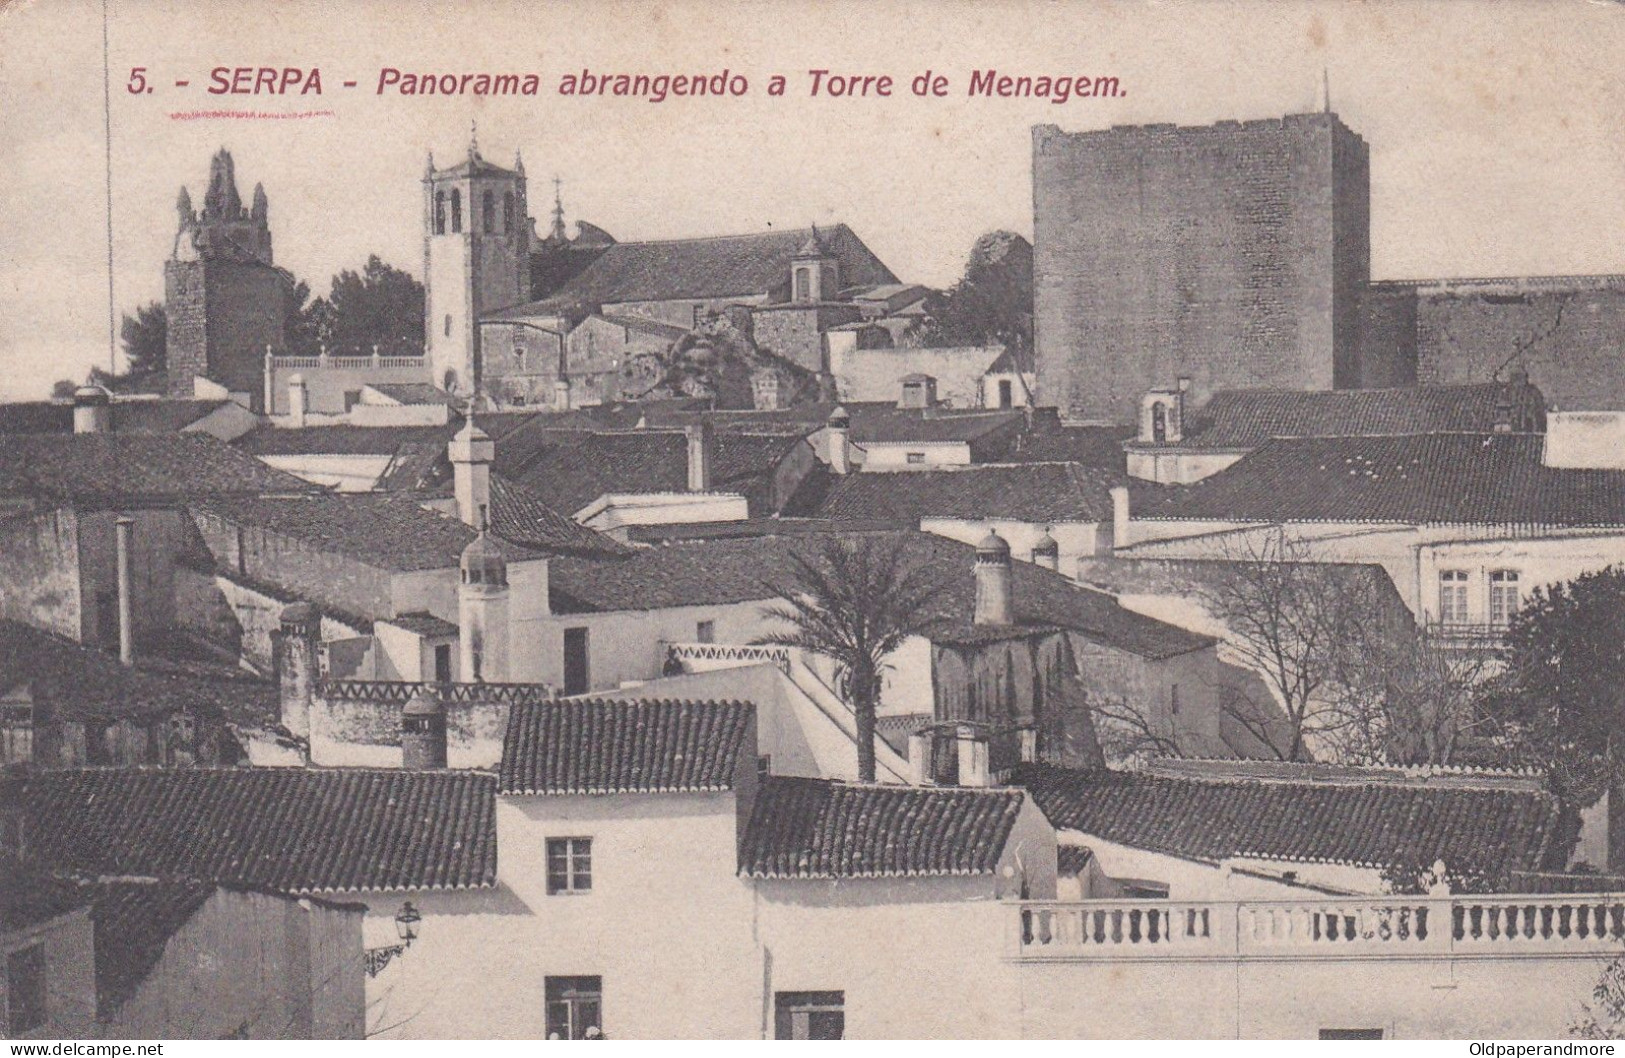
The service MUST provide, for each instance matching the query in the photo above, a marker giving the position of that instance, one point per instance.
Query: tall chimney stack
(840, 441)
(122, 529)
(298, 641)
(298, 401)
(471, 452)
(1047, 551)
(995, 602)
(701, 452)
(423, 732)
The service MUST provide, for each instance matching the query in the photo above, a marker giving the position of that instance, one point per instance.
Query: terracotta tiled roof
(903, 426)
(80, 683)
(1447, 478)
(135, 467)
(573, 469)
(722, 266)
(1246, 418)
(595, 746)
(519, 515)
(815, 828)
(291, 829)
(1027, 492)
(343, 440)
(1374, 824)
(388, 532)
(644, 325)
(128, 416)
(718, 572)
(1094, 446)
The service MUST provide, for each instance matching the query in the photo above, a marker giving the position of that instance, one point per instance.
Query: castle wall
(1566, 333)
(1231, 254)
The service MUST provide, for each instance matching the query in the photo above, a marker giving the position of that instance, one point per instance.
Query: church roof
(699, 269)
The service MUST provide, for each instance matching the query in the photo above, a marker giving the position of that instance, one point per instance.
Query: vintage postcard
(787, 520)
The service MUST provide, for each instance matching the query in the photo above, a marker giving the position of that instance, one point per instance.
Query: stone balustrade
(1335, 927)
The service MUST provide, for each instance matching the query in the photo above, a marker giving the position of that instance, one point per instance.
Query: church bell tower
(476, 258)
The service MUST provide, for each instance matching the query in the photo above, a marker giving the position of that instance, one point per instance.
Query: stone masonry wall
(1231, 253)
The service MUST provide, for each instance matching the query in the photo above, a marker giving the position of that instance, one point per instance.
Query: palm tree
(855, 603)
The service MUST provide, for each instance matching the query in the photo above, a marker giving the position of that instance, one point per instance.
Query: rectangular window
(1351, 1034)
(1453, 596)
(803, 284)
(16, 733)
(699, 315)
(1173, 698)
(916, 457)
(25, 989)
(442, 663)
(1007, 395)
(569, 865)
(352, 397)
(764, 765)
(705, 632)
(1504, 600)
(575, 1007)
(809, 1015)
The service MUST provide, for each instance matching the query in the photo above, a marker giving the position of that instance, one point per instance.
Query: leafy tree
(854, 603)
(1562, 693)
(379, 306)
(1604, 1017)
(992, 304)
(62, 389)
(144, 336)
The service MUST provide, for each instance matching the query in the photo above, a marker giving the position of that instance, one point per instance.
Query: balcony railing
(1333, 928)
(1485, 633)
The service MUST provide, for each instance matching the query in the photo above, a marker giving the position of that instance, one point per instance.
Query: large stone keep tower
(1232, 254)
(476, 257)
(225, 300)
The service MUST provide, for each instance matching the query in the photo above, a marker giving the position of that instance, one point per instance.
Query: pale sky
(1494, 128)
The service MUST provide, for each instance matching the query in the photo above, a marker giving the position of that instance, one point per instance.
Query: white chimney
(973, 757)
(701, 453)
(297, 645)
(1120, 516)
(1047, 551)
(298, 401)
(126, 634)
(995, 602)
(840, 441)
(92, 409)
(471, 452)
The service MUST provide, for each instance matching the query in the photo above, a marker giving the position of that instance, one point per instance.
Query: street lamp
(407, 920)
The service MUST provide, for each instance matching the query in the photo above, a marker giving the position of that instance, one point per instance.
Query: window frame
(705, 631)
(1505, 593)
(914, 459)
(795, 1011)
(573, 852)
(1454, 600)
(575, 994)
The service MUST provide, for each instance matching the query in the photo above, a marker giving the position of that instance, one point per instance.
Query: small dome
(423, 703)
(1046, 544)
(92, 394)
(993, 544)
(483, 562)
